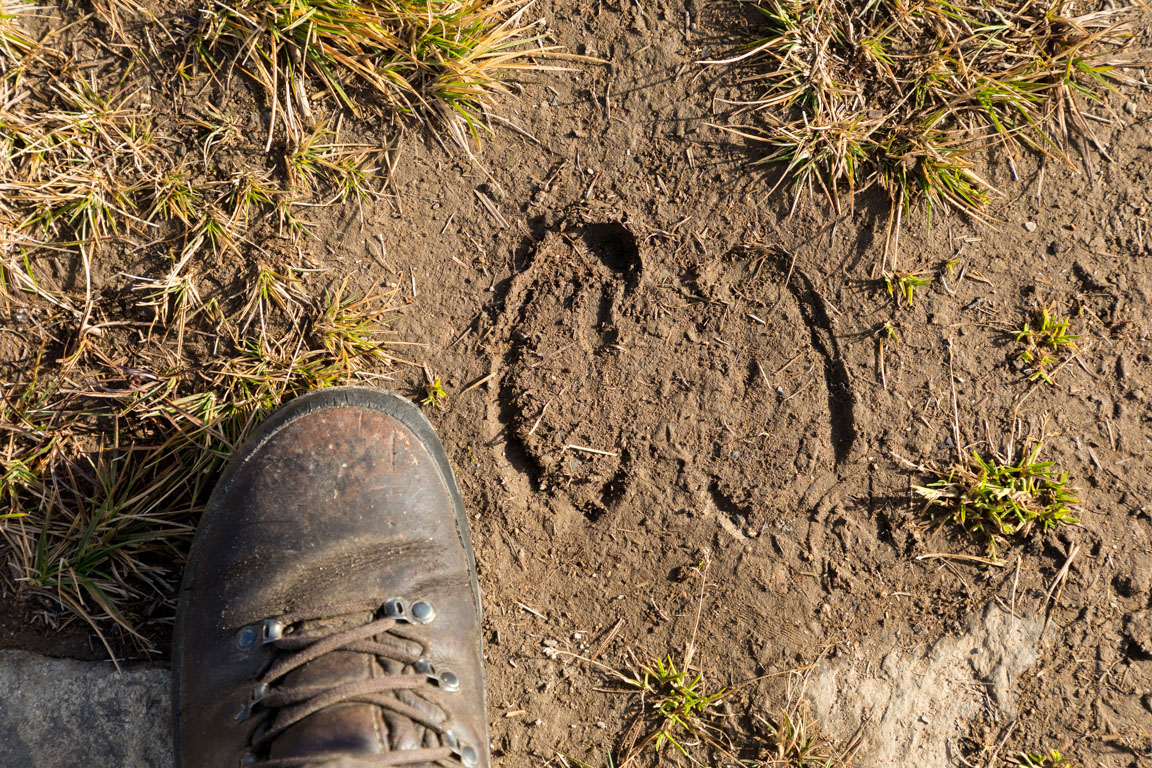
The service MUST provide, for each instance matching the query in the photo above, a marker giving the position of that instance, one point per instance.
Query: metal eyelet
(419, 612)
(444, 679)
(397, 609)
(422, 612)
(272, 631)
(466, 752)
(447, 680)
(259, 691)
(246, 638)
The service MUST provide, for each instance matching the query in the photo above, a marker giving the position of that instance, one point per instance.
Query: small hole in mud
(615, 246)
(593, 512)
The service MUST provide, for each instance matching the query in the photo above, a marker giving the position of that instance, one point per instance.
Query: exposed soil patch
(671, 368)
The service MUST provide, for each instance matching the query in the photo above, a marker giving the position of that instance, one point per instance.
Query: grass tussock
(677, 703)
(999, 499)
(439, 62)
(137, 345)
(797, 741)
(900, 93)
(793, 736)
(1049, 759)
(84, 165)
(110, 453)
(1043, 342)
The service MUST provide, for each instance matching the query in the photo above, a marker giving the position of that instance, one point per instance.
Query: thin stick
(538, 419)
(607, 639)
(1016, 583)
(531, 611)
(955, 409)
(1058, 582)
(491, 209)
(87, 290)
(480, 381)
(961, 558)
(586, 449)
(690, 649)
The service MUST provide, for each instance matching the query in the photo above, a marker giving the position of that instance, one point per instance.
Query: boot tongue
(342, 728)
(354, 727)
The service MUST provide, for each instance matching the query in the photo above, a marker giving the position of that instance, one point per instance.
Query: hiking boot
(330, 614)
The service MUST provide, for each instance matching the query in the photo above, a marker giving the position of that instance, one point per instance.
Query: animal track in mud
(841, 397)
(616, 247)
(558, 315)
(614, 389)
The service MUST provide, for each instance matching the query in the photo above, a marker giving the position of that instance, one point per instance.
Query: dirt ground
(676, 372)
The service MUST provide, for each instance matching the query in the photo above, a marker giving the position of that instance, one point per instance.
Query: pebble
(1030, 226)
(1130, 107)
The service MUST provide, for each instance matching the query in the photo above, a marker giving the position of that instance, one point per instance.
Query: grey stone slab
(915, 701)
(59, 713)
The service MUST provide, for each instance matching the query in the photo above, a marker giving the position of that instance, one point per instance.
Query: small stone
(1030, 226)
(1130, 107)
(549, 643)
(601, 724)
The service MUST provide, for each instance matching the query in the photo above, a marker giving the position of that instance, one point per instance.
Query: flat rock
(59, 713)
(915, 702)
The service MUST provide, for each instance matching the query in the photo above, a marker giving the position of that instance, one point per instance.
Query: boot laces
(382, 637)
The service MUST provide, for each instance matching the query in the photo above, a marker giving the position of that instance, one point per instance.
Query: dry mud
(675, 370)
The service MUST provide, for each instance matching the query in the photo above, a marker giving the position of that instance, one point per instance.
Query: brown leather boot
(330, 614)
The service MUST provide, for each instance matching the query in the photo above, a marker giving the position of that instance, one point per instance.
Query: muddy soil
(651, 366)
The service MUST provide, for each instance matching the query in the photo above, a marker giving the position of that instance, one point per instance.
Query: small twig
(586, 449)
(690, 648)
(1057, 582)
(531, 611)
(479, 382)
(489, 206)
(1003, 740)
(763, 375)
(955, 410)
(961, 558)
(1016, 583)
(536, 425)
(607, 639)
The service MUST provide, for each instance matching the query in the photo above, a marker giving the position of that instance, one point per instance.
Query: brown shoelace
(293, 704)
